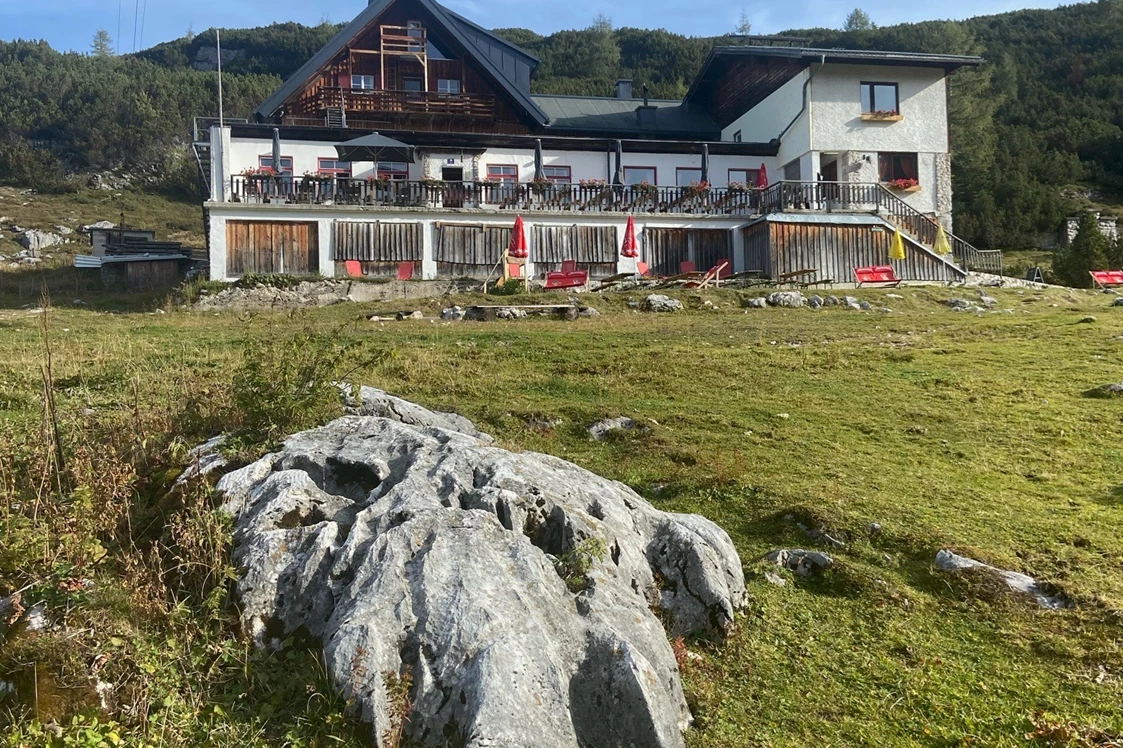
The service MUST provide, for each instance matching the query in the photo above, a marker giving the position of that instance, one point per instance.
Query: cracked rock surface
(407, 544)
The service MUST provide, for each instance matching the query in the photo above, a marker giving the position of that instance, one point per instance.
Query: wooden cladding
(595, 248)
(836, 249)
(469, 250)
(665, 249)
(271, 247)
(378, 241)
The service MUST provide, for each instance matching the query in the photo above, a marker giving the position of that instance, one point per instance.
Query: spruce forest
(1037, 133)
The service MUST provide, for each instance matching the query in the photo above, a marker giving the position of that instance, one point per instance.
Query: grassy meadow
(949, 430)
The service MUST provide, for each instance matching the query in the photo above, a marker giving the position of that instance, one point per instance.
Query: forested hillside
(1036, 133)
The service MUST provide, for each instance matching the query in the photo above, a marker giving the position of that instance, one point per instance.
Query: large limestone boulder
(35, 241)
(514, 591)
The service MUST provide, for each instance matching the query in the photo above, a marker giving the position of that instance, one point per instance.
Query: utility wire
(136, 17)
(143, 17)
(117, 39)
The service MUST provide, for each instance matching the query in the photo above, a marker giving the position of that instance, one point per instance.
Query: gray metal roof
(609, 114)
(858, 56)
(466, 34)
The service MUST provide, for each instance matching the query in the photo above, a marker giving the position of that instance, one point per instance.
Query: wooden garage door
(272, 247)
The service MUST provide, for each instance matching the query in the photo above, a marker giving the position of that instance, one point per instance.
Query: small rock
(204, 459)
(587, 311)
(959, 303)
(633, 304)
(64, 230)
(1087, 320)
(601, 429)
(1105, 391)
(1018, 582)
(657, 302)
(893, 296)
(785, 416)
(99, 225)
(758, 302)
(788, 299)
(799, 561)
(510, 313)
(452, 314)
(416, 314)
(831, 301)
(1118, 302)
(815, 302)
(36, 617)
(864, 306)
(875, 528)
(987, 301)
(773, 578)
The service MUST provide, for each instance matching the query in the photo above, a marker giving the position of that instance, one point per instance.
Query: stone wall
(1109, 227)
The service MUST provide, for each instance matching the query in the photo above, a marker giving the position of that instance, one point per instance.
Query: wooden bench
(882, 274)
(1107, 278)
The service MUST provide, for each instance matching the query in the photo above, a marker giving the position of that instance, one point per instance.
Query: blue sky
(70, 24)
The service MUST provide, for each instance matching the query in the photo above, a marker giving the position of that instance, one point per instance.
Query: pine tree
(858, 20)
(744, 27)
(102, 45)
(1088, 251)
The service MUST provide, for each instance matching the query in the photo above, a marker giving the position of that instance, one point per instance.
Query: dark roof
(857, 56)
(602, 114)
(470, 36)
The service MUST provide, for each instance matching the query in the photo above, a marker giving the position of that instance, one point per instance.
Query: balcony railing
(596, 198)
(408, 102)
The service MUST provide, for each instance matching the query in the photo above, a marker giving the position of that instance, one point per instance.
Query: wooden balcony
(406, 102)
(583, 198)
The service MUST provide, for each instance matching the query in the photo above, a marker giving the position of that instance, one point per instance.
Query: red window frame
(558, 178)
(503, 177)
(748, 177)
(654, 171)
(680, 169)
(337, 172)
(269, 157)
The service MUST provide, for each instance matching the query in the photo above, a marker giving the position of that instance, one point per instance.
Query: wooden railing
(403, 40)
(867, 197)
(410, 102)
(595, 198)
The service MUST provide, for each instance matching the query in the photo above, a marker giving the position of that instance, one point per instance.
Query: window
(737, 137)
(558, 174)
(503, 173)
(363, 82)
(639, 174)
(395, 170)
(334, 167)
(412, 85)
(448, 86)
(747, 177)
(414, 28)
(685, 175)
(793, 171)
(892, 167)
(880, 98)
(266, 162)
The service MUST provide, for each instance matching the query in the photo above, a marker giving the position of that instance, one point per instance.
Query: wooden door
(272, 247)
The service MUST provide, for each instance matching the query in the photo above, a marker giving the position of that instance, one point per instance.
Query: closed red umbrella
(631, 247)
(762, 179)
(518, 246)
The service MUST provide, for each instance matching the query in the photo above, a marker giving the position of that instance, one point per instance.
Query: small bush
(510, 287)
(574, 566)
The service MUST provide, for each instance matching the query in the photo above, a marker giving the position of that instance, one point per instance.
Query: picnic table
(808, 273)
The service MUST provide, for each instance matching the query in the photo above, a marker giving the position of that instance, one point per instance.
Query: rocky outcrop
(1022, 584)
(658, 302)
(513, 592)
(35, 241)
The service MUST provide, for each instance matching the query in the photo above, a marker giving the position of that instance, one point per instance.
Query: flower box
(884, 116)
(903, 185)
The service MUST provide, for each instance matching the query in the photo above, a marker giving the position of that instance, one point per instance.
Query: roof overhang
(445, 141)
(736, 79)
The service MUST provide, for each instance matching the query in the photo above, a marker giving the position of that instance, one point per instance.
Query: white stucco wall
(836, 110)
(244, 153)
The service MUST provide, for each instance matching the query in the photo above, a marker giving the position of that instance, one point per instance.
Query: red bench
(569, 277)
(1107, 278)
(877, 274)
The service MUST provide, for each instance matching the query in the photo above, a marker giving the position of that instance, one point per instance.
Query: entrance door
(453, 177)
(829, 171)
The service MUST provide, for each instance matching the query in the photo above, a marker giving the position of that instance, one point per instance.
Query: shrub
(1089, 251)
(510, 287)
(574, 566)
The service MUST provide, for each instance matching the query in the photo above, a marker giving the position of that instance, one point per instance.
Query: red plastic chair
(1107, 278)
(643, 269)
(405, 271)
(883, 274)
(569, 266)
(354, 268)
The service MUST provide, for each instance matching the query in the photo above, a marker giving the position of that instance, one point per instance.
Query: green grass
(949, 430)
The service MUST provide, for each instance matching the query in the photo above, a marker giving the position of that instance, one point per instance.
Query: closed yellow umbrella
(941, 246)
(897, 248)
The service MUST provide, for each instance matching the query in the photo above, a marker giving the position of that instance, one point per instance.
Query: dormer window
(880, 99)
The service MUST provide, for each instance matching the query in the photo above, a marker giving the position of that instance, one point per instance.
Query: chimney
(645, 113)
(624, 88)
